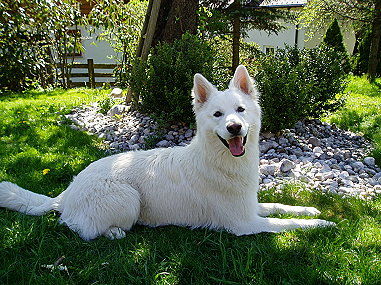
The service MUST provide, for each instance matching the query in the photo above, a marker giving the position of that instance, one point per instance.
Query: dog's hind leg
(109, 209)
(266, 209)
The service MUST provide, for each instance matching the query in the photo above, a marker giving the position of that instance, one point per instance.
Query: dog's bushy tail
(18, 199)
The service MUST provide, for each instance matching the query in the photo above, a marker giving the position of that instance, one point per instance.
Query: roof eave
(282, 6)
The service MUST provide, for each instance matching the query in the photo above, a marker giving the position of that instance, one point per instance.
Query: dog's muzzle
(236, 145)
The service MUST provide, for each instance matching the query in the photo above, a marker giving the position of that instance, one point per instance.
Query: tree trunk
(145, 41)
(176, 17)
(166, 20)
(152, 24)
(375, 42)
(236, 37)
(144, 29)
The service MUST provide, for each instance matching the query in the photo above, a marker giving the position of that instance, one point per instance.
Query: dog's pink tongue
(236, 146)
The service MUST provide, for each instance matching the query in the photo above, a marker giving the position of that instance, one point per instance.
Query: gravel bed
(313, 153)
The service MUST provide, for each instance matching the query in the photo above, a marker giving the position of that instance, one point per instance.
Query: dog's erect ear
(202, 89)
(243, 81)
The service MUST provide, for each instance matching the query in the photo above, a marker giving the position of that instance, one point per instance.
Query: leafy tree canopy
(217, 15)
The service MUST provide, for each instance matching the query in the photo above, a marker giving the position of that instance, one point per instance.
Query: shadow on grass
(177, 255)
(377, 89)
(171, 255)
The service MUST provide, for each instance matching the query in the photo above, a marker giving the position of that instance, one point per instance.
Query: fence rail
(91, 75)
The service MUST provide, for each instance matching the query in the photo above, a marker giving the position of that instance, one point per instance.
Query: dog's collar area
(228, 147)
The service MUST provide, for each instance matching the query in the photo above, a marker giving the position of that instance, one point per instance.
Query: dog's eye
(217, 114)
(240, 109)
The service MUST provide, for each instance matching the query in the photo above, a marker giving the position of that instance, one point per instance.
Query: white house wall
(98, 50)
(287, 37)
(280, 40)
(347, 32)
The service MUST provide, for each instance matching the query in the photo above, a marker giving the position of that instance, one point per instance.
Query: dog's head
(229, 116)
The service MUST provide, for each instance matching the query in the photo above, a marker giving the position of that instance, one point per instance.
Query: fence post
(90, 67)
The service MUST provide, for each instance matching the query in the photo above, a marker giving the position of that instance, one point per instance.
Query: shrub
(333, 37)
(105, 105)
(33, 38)
(163, 83)
(297, 84)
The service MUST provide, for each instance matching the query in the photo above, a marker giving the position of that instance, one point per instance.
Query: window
(269, 49)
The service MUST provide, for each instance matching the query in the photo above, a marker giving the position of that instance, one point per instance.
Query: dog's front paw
(314, 223)
(309, 211)
(325, 223)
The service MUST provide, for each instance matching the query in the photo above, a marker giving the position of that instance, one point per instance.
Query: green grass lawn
(362, 111)
(31, 141)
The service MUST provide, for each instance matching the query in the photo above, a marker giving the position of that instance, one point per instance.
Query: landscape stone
(314, 141)
(286, 165)
(116, 93)
(117, 110)
(319, 155)
(370, 161)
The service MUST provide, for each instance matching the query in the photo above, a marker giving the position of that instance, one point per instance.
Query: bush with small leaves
(297, 84)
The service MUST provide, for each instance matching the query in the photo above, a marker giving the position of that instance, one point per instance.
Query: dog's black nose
(234, 129)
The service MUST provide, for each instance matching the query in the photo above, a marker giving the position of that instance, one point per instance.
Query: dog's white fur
(200, 185)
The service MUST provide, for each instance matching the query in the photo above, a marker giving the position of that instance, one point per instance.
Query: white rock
(314, 141)
(141, 140)
(116, 93)
(268, 135)
(169, 137)
(268, 169)
(354, 179)
(317, 150)
(283, 141)
(370, 161)
(377, 176)
(364, 175)
(117, 110)
(134, 139)
(163, 143)
(347, 167)
(372, 182)
(328, 175)
(266, 181)
(319, 176)
(334, 185)
(357, 165)
(286, 165)
(294, 174)
(344, 175)
(344, 189)
(347, 182)
(265, 146)
(188, 133)
(134, 147)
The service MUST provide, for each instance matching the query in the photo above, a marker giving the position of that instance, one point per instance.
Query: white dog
(212, 182)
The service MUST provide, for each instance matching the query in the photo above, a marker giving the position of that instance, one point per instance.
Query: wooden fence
(91, 76)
